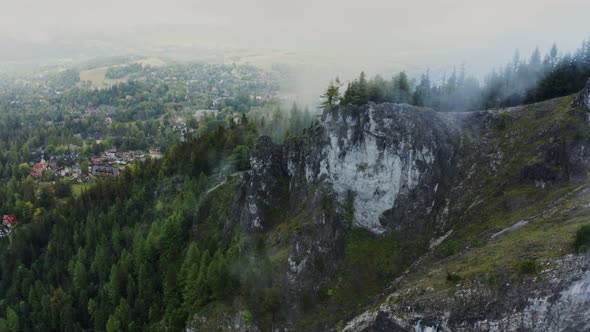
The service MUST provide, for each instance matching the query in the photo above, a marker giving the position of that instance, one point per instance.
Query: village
(99, 132)
(107, 164)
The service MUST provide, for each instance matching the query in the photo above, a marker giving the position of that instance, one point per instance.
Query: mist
(324, 39)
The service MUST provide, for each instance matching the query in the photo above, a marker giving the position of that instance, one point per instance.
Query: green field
(98, 77)
(79, 187)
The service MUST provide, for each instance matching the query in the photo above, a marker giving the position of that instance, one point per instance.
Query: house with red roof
(96, 161)
(9, 220)
(38, 170)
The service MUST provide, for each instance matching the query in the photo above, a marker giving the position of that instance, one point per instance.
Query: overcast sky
(417, 31)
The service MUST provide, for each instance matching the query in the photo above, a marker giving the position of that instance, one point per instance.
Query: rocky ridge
(456, 193)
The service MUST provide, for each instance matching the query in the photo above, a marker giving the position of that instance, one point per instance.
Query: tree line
(522, 80)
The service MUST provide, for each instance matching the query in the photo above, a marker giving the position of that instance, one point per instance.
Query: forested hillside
(177, 200)
(122, 255)
(88, 252)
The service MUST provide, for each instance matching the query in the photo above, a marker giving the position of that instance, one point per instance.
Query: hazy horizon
(328, 37)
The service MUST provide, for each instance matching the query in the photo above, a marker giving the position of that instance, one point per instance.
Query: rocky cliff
(516, 277)
(436, 221)
(389, 160)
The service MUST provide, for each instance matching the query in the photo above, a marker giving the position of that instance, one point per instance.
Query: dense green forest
(122, 254)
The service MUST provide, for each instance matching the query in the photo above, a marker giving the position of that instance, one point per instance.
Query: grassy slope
(554, 212)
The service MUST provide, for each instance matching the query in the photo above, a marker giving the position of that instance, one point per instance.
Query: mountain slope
(476, 205)
(508, 264)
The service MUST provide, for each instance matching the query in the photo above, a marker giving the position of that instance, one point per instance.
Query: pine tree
(422, 93)
(535, 61)
(331, 96)
(363, 90)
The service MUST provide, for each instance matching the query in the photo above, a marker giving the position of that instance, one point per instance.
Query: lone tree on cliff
(332, 95)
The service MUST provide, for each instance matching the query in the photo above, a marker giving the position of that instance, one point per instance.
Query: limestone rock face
(584, 97)
(388, 165)
(391, 159)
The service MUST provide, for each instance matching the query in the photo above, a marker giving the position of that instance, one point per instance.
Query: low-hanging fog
(327, 38)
